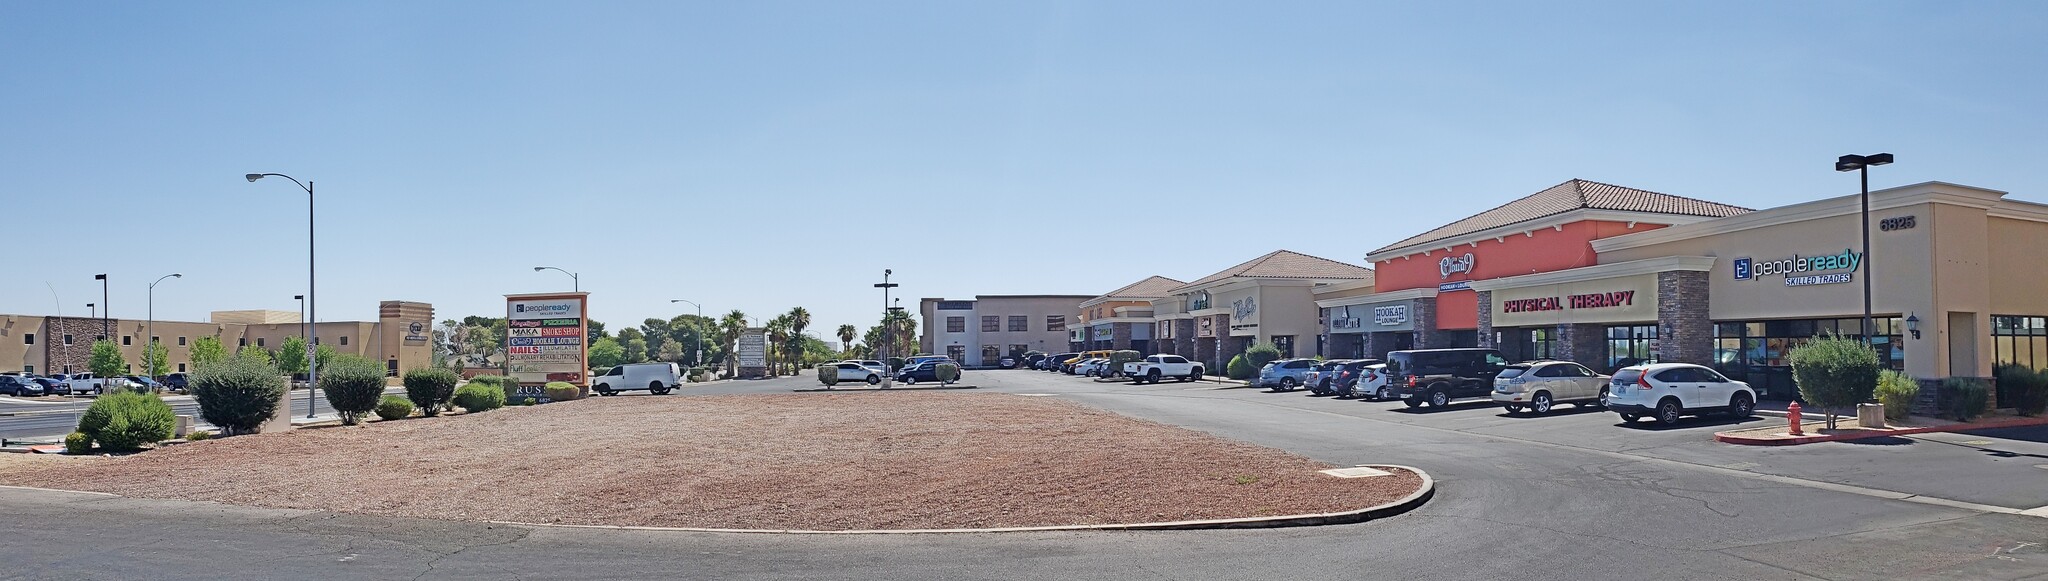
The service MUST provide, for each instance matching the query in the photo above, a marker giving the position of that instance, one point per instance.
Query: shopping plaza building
(401, 337)
(1610, 276)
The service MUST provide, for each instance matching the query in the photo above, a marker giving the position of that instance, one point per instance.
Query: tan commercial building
(401, 337)
(1121, 319)
(1269, 299)
(980, 332)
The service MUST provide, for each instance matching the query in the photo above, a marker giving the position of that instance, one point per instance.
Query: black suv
(1437, 376)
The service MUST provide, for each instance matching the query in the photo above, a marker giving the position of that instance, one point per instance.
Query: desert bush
(353, 385)
(562, 391)
(828, 374)
(393, 407)
(197, 435)
(1261, 354)
(1963, 398)
(946, 372)
(238, 393)
(125, 420)
(78, 444)
(475, 397)
(505, 384)
(1834, 373)
(1239, 368)
(699, 375)
(430, 389)
(524, 401)
(1896, 391)
(2029, 388)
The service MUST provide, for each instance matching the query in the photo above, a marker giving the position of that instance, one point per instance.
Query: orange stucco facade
(1550, 248)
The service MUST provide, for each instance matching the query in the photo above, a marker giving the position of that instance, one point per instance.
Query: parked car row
(20, 384)
(915, 369)
(1664, 392)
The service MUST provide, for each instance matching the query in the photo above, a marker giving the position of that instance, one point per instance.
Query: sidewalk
(1813, 425)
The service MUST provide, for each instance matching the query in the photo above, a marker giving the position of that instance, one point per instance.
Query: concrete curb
(852, 389)
(1731, 438)
(1414, 500)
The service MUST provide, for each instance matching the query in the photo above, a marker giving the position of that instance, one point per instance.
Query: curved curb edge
(1414, 500)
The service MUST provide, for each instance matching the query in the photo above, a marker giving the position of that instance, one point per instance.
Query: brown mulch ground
(795, 461)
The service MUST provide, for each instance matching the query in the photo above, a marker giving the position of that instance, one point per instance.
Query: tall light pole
(312, 301)
(1861, 165)
(106, 326)
(575, 282)
(94, 307)
(887, 335)
(303, 324)
(149, 348)
(699, 359)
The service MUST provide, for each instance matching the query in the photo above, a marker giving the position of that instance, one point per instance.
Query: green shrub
(353, 385)
(393, 407)
(78, 444)
(505, 384)
(1834, 373)
(430, 389)
(125, 420)
(1117, 359)
(1896, 391)
(562, 391)
(828, 374)
(476, 397)
(197, 435)
(1962, 398)
(699, 375)
(1239, 368)
(238, 393)
(1261, 354)
(524, 401)
(946, 372)
(2029, 388)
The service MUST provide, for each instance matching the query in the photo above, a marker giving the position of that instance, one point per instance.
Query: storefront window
(1631, 345)
(1756, 352)
(1285, 343)
(2020, 340)
(1542, 343)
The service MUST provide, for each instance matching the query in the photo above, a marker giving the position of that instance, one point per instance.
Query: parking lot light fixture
(1861, 165)
(575, 282)
(149, 345)
(312, 300)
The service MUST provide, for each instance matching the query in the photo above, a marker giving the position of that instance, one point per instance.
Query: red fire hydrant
(1792, 415)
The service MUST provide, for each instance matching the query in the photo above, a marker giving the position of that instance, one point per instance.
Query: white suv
(1666, 391)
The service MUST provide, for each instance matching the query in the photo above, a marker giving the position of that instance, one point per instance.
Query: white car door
(1692, 387)
(1717, 390)
(1584, 384)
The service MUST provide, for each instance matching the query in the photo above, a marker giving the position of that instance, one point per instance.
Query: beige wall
(1289, 310)
(363, 338)
(1641, 304)
(2017, 287)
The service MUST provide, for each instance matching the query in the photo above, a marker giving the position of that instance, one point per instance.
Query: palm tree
(846, 334)
(778, 335)
(799, 319)
(729, 328)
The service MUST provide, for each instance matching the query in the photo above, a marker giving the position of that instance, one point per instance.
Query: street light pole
(1861, 164)
(888, 332)
(699, 360)
(303, 325)
(149, 348)
(575, 282)
(312, 301)
(106, 325)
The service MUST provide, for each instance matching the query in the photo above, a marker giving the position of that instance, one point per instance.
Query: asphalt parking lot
(1568, 496)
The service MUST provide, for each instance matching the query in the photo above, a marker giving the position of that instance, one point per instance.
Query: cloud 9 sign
(1795, 269)
(544, 339)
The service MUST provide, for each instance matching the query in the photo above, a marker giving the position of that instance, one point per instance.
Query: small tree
(154, 359)
(207, 351)
(353, 385)
(607, 352)
(1261, 354)
(238, 393)
(106, 359)
(255, 353)
(430, 389)
(291, 357)
(1834, 373)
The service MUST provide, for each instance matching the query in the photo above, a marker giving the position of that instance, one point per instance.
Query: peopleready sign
(1803, 270)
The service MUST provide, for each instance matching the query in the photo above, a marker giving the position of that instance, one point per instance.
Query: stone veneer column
(1423, 316)
(1685, 333)
(1120, 336)
(1583, 343)
(1373, 349)
(1226, 345)
(1486, 338)
(1184, 338)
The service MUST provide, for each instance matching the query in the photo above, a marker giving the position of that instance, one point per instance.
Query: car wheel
(1386, 393)
(1153, 376)
(1667, 412)
(604, 389)
(1541, 403)
(1603, 397)
(911, 380)
(1286, 384)
(1513, 409)
(873, 380)
(1439, 398)
(1629, 418)
(656, 388)
(1740, 406)
(1413, 403)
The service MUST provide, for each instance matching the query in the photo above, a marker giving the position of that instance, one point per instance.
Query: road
(50, 418)
(1568, 496)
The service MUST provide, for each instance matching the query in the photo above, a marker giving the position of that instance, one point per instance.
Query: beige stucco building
(401, 337)
(982, 331)
(1269, 299)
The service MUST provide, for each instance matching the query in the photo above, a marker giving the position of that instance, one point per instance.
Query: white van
(654, 377)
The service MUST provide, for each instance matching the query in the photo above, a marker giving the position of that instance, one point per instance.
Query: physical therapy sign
(1803, 270)
(545, 339)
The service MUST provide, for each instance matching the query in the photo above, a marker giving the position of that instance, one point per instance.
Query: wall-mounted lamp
(1913, 325)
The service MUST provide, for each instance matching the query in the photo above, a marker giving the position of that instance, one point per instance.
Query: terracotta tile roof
(1565, 197)
(1285, 264)
(1154, 287)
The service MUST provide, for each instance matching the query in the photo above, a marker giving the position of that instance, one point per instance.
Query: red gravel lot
(827, 461)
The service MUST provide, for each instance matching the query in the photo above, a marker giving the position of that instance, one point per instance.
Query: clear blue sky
(755, 155)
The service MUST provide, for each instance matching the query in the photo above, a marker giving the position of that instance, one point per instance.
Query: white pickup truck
(1151, 369)
(84, 383)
